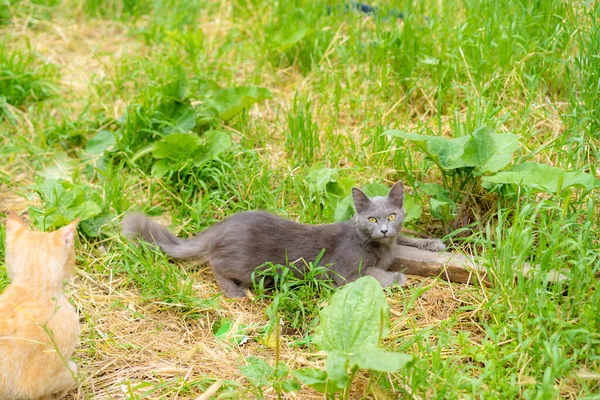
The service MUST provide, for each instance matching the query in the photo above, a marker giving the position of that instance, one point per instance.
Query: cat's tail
(139, 225)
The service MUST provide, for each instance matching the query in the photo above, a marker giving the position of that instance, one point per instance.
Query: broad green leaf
(290, 385)
(441, 209)
(446, 153)
(178, 146)
(93, 227)
(176, 118)
(231, 102)
(483, 149)
(216, 142)
(287, 41)
(344, 210)
(205, 87)
(435, 190)
(488, 151)
(100, 142)
(336, 366)
(161, 167)
(49, 190)
(224, 325)
(341, 186)
(319, 176)
(257, 371)
(311, 377)
(316, 379)
(542, 177)
(62, 202)
(440, 202)
(376, 189)
(85, 210)
(206, 115)
(352, 320)
(177, 89)
(380, 360)
(413, 210)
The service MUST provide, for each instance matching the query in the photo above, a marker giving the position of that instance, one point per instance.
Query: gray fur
(237, 246)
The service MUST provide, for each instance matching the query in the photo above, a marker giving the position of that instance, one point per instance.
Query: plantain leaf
(352, 320)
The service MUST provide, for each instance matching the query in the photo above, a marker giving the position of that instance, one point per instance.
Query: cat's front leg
(423, 244)
(386, 278)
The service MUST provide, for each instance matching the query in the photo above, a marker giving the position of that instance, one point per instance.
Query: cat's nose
(384, 231)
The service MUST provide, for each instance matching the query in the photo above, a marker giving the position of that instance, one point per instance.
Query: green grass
(24, 78)
(337, 80)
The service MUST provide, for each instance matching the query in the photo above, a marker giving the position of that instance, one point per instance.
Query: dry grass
(129, 339)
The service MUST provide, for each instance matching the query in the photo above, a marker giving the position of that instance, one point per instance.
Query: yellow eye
(392, 217)
(372, 219)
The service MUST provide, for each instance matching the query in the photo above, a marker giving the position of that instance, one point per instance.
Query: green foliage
(101, 142)
(160, 281)
(328, 187)
(228, 103)
(295, 35)
(180, 150)
(259, 373)
(350, 330)
(297, 299)
(24, 77)
(63, 201)
(169, 110)
(542, 177)
(5, 11)
(303, 142)
(472, 162)
(478, 153)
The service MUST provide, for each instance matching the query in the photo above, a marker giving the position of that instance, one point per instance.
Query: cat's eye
(372, 219)
(392, 217)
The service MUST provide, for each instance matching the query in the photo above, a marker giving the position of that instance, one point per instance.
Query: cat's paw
(234, 293)
(393, 278)
(399, 278)
(432, 245)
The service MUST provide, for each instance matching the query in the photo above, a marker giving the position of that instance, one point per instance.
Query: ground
(192, 111)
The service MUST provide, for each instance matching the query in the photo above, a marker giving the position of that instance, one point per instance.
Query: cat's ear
(14, 223)
(361, 200)
(396, 195)
(67, 234)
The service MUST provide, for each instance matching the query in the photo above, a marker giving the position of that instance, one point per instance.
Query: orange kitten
(38, 326)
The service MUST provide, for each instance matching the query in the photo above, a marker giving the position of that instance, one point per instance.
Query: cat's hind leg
(229, 287)
(423, 244)
(386, 278)
(63, 384)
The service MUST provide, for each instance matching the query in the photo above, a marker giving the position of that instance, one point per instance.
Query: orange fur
(39, 328)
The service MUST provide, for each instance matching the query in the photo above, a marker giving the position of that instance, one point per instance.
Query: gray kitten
(240, 244)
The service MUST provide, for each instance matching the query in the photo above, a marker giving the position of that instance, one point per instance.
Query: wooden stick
(449, 266)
